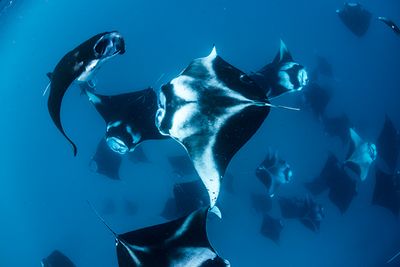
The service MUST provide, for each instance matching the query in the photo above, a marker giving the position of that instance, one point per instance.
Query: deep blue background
(43, 188)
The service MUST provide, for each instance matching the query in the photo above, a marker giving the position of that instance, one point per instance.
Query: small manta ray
(212, 109)
(356, 18)
(305, 209)
(281, 76)
(80, 64)
(317, 98)
(387, 191)
(181, 165)
(271, 228)
(188, 196)
(182, 242)
(57, 259)
(360, 156)
(391, 24)
(388, 144)
(337, 127)
(129, 118)
(261, 203)
(342, 187)
(273, 172)
(105, 161)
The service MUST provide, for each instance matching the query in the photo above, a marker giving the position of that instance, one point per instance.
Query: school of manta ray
(212, 109)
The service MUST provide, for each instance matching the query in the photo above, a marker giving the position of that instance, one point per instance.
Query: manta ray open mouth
(117, 145)
(110, 45)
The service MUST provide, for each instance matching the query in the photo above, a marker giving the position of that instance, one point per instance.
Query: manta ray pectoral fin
(283, 55)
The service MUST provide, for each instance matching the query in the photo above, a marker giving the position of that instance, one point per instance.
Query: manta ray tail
(101, 219)
(280, 106)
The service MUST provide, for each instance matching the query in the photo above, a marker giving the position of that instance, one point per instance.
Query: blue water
(43, 188)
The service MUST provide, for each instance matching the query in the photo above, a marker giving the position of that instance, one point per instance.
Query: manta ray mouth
(109, 45)
(372, 151)
(302, 78)
(117, 145)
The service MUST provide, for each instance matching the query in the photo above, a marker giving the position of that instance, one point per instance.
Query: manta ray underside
(212, 109)
(182, 242)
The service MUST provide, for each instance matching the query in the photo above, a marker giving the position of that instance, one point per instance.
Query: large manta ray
(129, 118)
(355, 17)
(212, 109)
(182, 242)
(80, 64)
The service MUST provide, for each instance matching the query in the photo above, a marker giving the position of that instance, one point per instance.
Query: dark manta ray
(105, 161)
(129, 118)
(212, 109)
(281, 76)
(182, 242)
(391, 24)
(317, 98)
(271, 228)
(355, 17)
(80, 64)
(387, 191)
(188, 196)
(333, 177)
(273, 172)
(388, 144)
(360, 156)
(305, 209)
(57, 259)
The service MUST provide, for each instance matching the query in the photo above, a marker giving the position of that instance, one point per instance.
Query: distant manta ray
(212, 109)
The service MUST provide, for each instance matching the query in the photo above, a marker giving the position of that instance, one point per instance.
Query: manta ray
(273, 172)
(360, 156)
(333, 177)
(80, 64)
(129, 118)
(355, 17)
(57, 259)
(390, 24)
(212, 109)
(282, 76)
(182, 242)
(306, 210)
